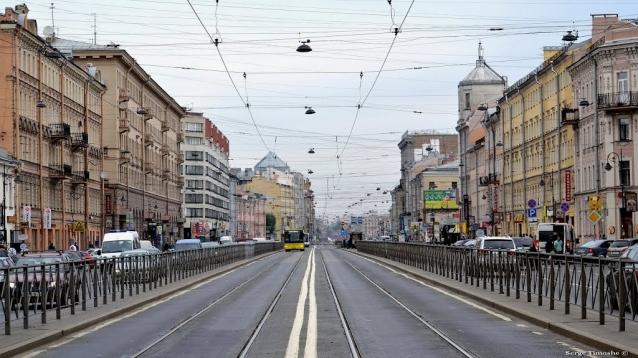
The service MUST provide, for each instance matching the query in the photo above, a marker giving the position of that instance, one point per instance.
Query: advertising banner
(439, 199)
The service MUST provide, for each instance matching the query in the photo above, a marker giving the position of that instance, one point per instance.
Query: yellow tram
(294, 240)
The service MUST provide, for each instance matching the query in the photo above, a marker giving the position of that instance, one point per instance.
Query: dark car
(618, 247)
(5, 262)
(55, 283)
(630, 275)
(596, 248)
(76, 256)
(523, 243)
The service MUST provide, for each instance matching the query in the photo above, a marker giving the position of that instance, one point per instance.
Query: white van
(148, 246)
(226, 240)
(114, 243)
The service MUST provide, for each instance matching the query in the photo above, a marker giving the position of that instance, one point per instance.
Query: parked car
(210, 244)
(470, 243)
(596, 248)
(460, 242)
(35, 273)
(114, 243)
(496, 243)
(226, 240)
(188, 244)
(523, 243)
(630, 276)
(76, 256)
(618, 247)
(5, 262)
(88, 258)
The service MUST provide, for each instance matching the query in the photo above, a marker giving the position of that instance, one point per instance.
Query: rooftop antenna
(94, 28)
(52, 19)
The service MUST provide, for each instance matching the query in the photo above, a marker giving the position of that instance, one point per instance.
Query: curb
(561, 329)
(34, 343)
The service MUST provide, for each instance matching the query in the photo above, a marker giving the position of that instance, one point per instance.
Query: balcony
(59, 131)
(618, 101)
(145, 113)
(80, 177)
(125, 157)
(165, 126)
(570, 116)
(180, 158)
(125, 125)
(148, 140)
(488, 180)
(165, 149)
(149, 168)
(60, 171)
(166, 175)
(79, 141)
(180, 181)
(180, 137)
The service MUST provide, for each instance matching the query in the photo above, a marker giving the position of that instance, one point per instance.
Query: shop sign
(568, 186)
(519, 218)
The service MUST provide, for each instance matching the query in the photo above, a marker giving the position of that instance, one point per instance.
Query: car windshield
(293, 236)
(117, 246)
(632, 253)
(522, 241)
(498, 244)
(620, 243)
(187, 246)
(5, 262)
(594, 243)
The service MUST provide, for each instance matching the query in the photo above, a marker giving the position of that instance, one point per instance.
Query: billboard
(439, 199)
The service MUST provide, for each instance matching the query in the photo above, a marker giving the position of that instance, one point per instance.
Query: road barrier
(48, 289)
(588, 283)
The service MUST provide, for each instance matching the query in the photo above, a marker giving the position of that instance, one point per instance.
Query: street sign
(531, 213)
(343, 234)
(594, 216)
(564, 207)
(531, 203)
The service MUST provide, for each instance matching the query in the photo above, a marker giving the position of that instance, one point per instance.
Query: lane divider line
(310, 350)
(292, 350)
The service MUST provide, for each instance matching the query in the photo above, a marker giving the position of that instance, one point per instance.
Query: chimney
(600, 23)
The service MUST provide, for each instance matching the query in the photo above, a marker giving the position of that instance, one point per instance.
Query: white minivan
(224, 240)
(114, 243)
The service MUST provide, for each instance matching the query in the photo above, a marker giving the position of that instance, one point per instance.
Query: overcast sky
(259, 37)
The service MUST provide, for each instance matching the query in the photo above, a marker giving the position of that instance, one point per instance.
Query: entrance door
(626, 224)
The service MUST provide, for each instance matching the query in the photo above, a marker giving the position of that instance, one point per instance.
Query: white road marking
(128, 315)
(521, 325)
(311, 330)
(458, 298)
(537, 333)
(292, 350)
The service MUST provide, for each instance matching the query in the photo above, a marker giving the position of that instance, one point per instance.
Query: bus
(294, 240)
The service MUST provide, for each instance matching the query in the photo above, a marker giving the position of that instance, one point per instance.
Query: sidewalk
(606, 337)
(38, 334)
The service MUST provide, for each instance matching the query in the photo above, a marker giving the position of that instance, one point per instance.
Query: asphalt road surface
(324, 302)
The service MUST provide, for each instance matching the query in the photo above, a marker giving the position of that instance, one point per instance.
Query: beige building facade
(52, 123)
(141, 139)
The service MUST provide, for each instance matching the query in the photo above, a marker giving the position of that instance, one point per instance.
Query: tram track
(464, 352)
(352, 345)
(214, 303)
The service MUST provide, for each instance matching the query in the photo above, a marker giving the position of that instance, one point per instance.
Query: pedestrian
(73, 246)
(549, 246)
(91, 246)
(558, 244)
(24, 249)
(51, 246)
(166, 247)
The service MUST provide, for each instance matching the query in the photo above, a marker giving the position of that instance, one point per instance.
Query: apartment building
(141, 138)
(52, 123)
(207, 181)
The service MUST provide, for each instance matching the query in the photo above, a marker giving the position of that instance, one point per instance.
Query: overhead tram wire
(216, 41)
(385, 60)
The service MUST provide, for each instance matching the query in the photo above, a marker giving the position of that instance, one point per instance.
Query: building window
(431, 185)
(623, 129)
(194, 212)
(454, 185)
(193, 127)
(467, 101)
(194, 184)
(193, 140)
(625, 173)
(190, 155)
(194, 198)
(194, 170)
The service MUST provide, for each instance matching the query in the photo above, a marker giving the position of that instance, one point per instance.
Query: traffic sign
(594, 216)
(531, 213)
(564, 207)
(531, 203)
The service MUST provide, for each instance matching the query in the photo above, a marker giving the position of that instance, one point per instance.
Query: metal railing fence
(41, 292)
(584, 282)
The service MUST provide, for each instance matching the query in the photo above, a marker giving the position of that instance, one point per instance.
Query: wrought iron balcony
(166, 175)
(166, 150)
(79, 140)
(180, 158)
(618, 100)
(165, 126)
(149, 168)
(60, 171)
(59, 131)
(180, 137)
(80, 177)
(148, 140)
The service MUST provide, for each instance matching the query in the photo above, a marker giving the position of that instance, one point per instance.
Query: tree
(271, 222)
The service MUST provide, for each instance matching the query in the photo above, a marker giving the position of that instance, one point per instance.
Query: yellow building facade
(279, 201)
(538, 147)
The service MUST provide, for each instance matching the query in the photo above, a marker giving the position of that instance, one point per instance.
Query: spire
(481, 60)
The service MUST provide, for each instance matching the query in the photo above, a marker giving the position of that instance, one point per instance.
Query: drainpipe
(542, 133)
(596, 140)
(523, 109)
(558, 112)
